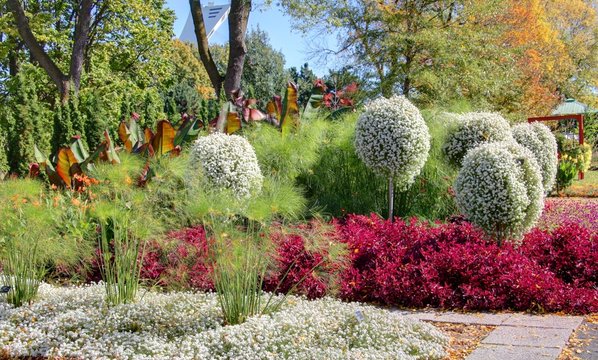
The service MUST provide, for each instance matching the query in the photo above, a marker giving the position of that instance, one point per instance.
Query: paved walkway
(516, 336)
(588, 333)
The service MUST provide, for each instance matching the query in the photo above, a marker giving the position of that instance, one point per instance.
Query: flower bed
(456, 266)
(560, 211)
(417, 264)
(75, 323)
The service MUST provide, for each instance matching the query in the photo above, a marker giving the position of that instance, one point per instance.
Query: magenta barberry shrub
(306, 260)
(179, 261)
(407, 263)
(569, 251)
(417, 264)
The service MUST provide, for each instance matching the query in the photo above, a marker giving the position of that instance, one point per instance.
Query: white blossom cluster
(229, 162)
(392, 138)
(499, 188)
(472, 129)
(541, 142)
(76, 323)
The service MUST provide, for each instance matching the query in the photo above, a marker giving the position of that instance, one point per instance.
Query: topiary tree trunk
(391, 196)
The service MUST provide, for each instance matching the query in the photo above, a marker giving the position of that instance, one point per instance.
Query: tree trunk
(13, 58)
(81, 36)
(65, 91)
(237, 24)
(203, 47)
(391, 198)
(406, 86)
(37, 51)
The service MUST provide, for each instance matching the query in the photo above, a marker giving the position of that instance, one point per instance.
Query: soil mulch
(583, 343)
(464, 338)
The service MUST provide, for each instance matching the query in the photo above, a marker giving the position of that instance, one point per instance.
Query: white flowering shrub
(392, 138)
(499, 188)
(228, 162)
(541, 142)
(470, 130)
(76, 323)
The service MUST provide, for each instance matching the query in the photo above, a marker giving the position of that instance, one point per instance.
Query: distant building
(213, 17)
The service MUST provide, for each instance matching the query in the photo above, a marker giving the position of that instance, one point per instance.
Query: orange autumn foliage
(542, 57)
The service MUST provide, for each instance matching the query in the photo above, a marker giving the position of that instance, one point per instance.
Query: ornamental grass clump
(499, 188)
(236, 208)
(29, 239)
(228, 162)
(119, 264)
(392, 138)
(470, 130)
(542, 143)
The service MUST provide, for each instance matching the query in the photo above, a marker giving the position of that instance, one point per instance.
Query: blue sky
(292, 43)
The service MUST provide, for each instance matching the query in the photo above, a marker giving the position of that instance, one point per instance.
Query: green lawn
(588, 187)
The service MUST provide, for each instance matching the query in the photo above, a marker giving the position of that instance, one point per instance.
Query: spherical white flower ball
(472, 129)
(229, 162)
(499, 188)
(541, 142)
(392, 138)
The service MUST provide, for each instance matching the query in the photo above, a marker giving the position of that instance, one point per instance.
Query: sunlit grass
(588, 187)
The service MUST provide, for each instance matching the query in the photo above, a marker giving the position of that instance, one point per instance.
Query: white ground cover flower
(392, 138)
(541, 142)
(472, 129)
(229, 162)
(75, 322)
(499, 188)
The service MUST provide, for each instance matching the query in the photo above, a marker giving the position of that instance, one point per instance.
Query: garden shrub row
(456, 266)
(410, 264)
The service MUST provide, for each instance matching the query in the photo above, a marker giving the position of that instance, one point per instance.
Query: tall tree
(389, 41)
(263, 72)
(576, 24)
(517, 56)
(304, 78)
(127, 40)
(237, 24)
(83, 14)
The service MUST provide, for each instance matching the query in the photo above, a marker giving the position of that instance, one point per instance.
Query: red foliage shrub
(181, 260)
(294, 269)
(412, 264)
(299, 263)
(569, 251)
(302, 261)
(451, 266)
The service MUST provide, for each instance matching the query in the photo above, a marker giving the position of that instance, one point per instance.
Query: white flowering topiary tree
(228, 162)
(499, 188)
(392, 138)
(541, 142)
(470, 130)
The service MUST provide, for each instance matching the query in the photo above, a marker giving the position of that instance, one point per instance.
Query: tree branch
(38, 52)
(237, 26)
(80, 42)
(202, 45)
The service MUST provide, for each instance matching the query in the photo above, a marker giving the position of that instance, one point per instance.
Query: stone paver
(452, 317)
(528, 336)
(517, 336)
(544, 321)
(505, 352)
(590, 349)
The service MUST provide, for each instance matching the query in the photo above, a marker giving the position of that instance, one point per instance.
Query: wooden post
(580, 126)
